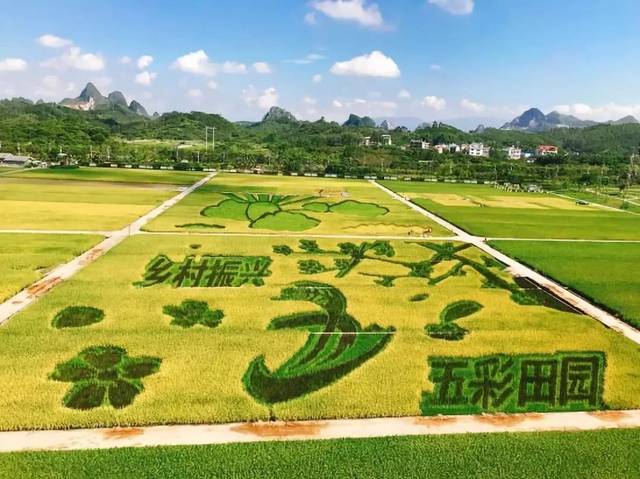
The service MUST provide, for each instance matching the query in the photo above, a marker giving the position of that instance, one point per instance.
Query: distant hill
(91, 99)
(355, 120)
(392, 122)
(626, 120)
(276, 113)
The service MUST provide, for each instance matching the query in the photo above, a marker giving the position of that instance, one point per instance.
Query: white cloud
(317, 78)
(307, 100)
(212, 85)
(472, 106)
(337, 104)
(125, 60)
(13, 65)
(195, 62)
(606, 112)
(144, 61)
(198, 63)
(234, 67)
(375, 64)
(434, 103)
(310, 18)
(194, 93)
(404, 94)
(74, 58)
(145, 78)
(307, 59)
(434, 67)
(52, 41)
(262, 67)
(456, 7)
(263, 100)
(53, 87)
(351, 11)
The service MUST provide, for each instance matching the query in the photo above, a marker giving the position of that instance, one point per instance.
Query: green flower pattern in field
(77, 317)
(103, 376)
(284, 212)
(191, 313)
(335, 347)
(447, 329)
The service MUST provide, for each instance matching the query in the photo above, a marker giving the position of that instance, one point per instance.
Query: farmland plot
(112, 175)
(276, 204)
(26, 258)
(195, 329)
(490, 212)
(75, 205)
(604, 272)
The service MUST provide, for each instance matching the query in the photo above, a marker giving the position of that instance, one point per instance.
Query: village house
(544, 150)
(513, 152)
(479, 149)
(441, 148)
(419, 145)
(8, 159)
(386, 140)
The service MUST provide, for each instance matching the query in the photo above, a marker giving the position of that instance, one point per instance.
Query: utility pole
(208, 129)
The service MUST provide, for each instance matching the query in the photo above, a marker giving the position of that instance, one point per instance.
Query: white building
(441, 148)
(513, 152)
(419, 144)
(479, 149)
(454, 148)
(366, 141)
(386, 140)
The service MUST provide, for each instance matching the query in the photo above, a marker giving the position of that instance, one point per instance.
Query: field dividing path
(63, 272)
(183, 435)
(518, 269)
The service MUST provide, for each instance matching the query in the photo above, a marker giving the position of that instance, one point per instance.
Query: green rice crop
(604, 272)
(599, 454)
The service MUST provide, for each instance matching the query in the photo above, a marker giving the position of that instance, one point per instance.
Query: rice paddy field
(544, 455)
(26, 258)
(490, 212)
(59, 204)
(603, 272)
(283, 298)
(185, 329)
(233, 203)
(111, 175)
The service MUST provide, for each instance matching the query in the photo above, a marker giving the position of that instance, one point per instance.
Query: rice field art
(285, 212)
(383, 328)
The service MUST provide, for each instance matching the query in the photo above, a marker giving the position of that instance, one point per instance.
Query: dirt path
(29, 295)
(518, 269)
(78, 439)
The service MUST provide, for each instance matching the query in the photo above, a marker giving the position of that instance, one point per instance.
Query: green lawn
(605, 272)
(567, 455)
(490, 212)
(75, 205)
(25, 258)
(263, 204)
(212, 372)
(112, 175)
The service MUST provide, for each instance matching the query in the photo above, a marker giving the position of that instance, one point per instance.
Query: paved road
(27, 296)
(518, 269)
(108, 438)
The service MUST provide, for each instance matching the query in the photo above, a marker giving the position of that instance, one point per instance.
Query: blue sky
(462, 61)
